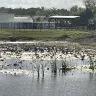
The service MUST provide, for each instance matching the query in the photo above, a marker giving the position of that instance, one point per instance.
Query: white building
(26, 19)
(10, 21)
(5, 17)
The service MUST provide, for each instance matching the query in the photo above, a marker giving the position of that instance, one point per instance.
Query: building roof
(63, 17)
(23, 19)
(6, 13)
(6, 17)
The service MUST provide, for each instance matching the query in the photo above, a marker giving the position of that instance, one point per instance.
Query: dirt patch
(64, 37)
(86, 39)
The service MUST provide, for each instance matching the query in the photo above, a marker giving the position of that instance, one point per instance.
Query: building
(64, 22)
(23, 22)
(5, 19)
(26, 22)
(43, 25)
(10, 21)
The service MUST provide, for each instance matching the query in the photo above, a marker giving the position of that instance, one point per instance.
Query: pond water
(72, 83)
(63, 84)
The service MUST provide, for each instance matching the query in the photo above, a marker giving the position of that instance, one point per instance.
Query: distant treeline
(40, 11)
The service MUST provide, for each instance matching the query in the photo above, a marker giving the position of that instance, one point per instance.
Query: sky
(39, 3)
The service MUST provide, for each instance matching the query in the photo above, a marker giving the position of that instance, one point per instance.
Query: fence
(42, 25)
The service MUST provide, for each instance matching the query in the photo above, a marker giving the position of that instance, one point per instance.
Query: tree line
(40, 11)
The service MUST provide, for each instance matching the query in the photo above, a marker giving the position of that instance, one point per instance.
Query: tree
(90, 4)
(74, 9)
(89, 12)
(38, 19)
(86, 16)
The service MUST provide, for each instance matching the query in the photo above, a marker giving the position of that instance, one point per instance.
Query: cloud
(38, 3)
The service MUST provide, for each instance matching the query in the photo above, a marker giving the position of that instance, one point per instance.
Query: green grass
(43, 34)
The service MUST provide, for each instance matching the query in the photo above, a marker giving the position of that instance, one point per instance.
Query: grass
(43, 34)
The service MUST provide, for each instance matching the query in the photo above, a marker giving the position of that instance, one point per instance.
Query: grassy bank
(46, 34)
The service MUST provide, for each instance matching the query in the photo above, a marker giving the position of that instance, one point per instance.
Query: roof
(6, 17)
(23, 19)
(6, 14)
(63, 17)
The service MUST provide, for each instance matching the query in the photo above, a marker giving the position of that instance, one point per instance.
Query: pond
(71, 84)
(19, 71)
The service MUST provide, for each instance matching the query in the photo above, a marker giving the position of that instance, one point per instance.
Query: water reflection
(91, 76)
(50, 85)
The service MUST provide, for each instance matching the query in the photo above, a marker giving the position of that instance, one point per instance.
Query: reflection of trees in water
(91, 76)
(54, 67)
(40, 81)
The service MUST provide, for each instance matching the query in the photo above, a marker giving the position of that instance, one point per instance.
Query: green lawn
(43, 34)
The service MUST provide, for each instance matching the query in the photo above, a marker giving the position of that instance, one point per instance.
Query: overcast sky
(38, 3)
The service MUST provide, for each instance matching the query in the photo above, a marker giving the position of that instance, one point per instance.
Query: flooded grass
(39, 58)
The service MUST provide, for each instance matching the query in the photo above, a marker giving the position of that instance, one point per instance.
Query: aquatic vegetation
(38, 58)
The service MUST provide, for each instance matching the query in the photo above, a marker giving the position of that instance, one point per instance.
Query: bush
(11, 38)
(91, 67)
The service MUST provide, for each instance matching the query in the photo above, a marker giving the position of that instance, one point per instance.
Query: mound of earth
(86, 39)
(64, 37)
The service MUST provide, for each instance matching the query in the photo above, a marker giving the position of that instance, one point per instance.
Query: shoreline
(51, 43)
